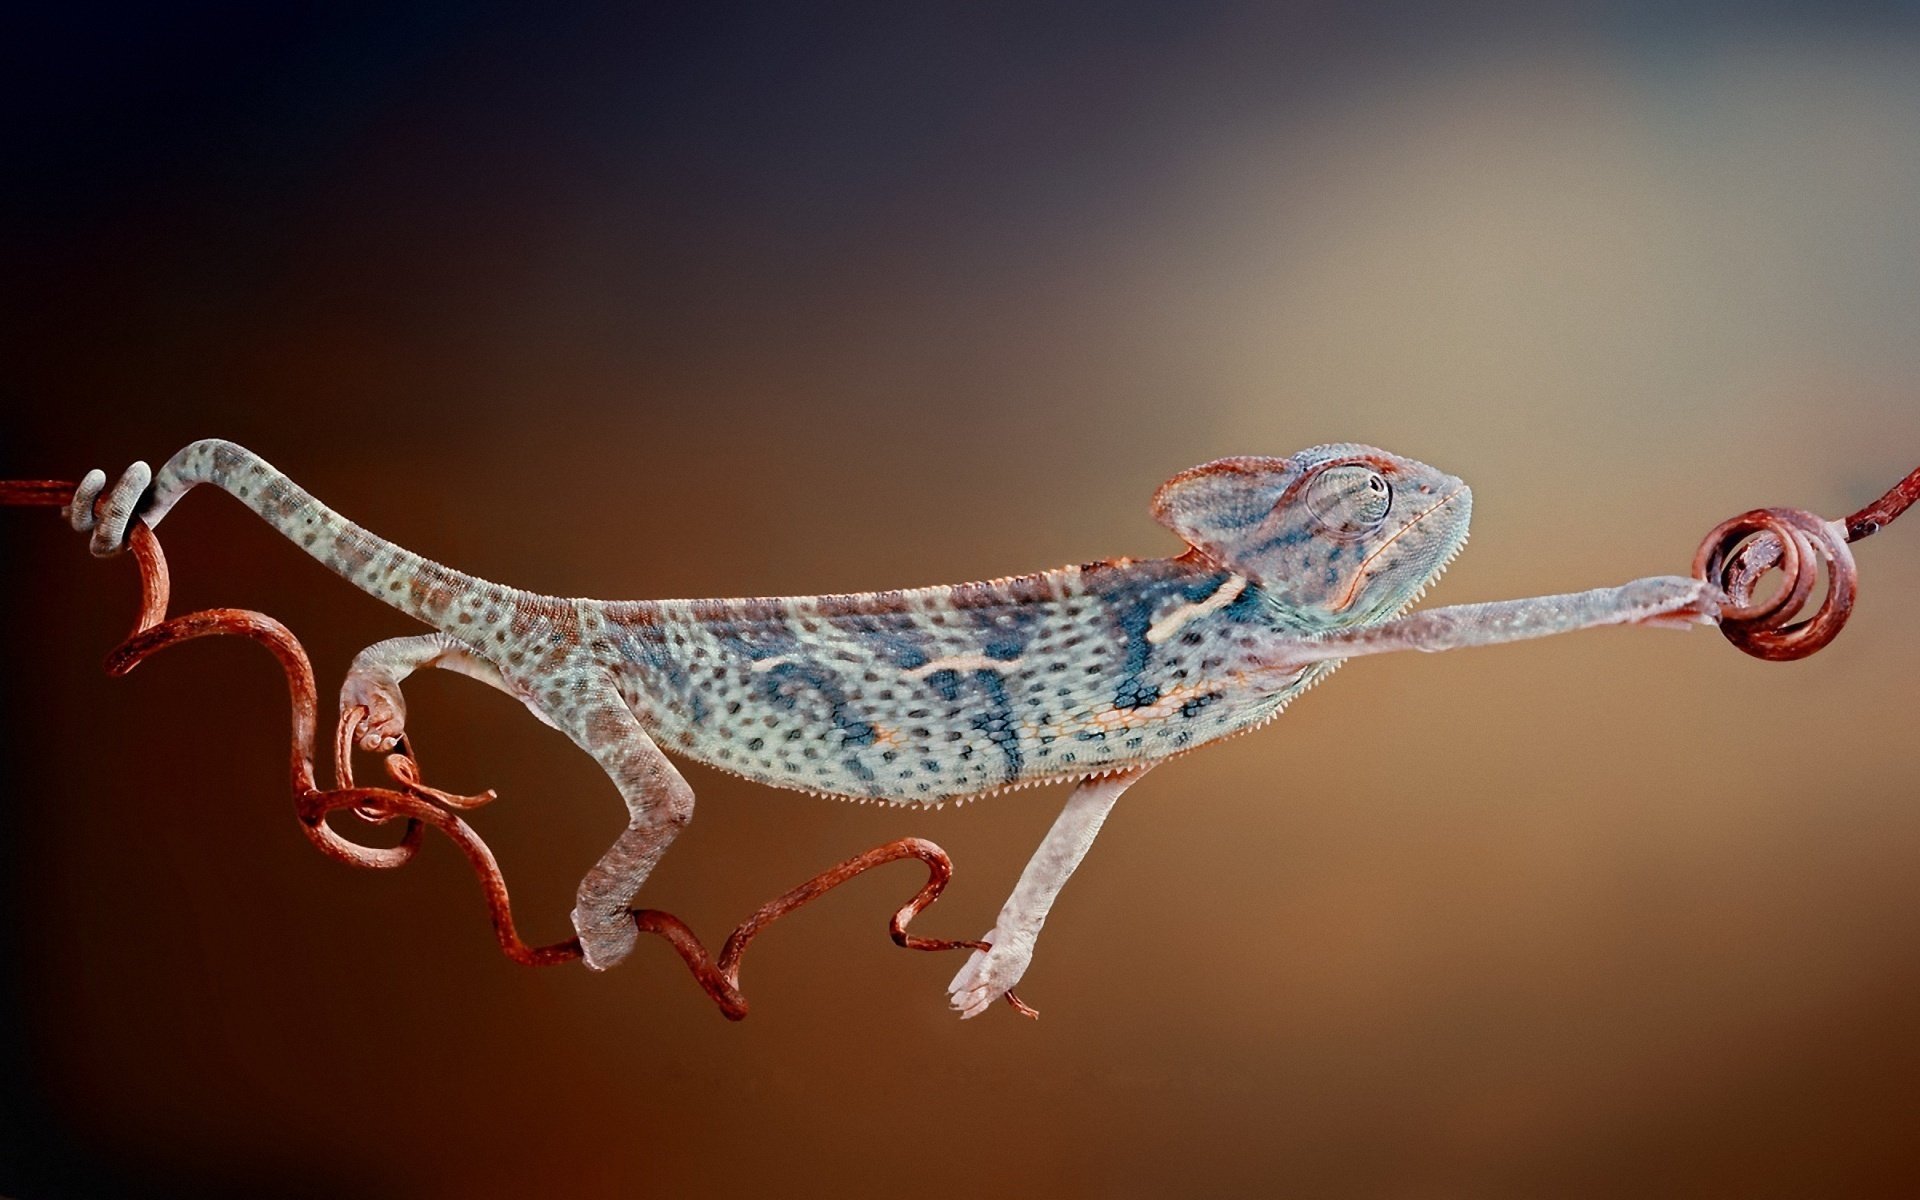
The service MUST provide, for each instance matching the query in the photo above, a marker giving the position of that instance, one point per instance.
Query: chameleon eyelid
(1376, 483)
(1373, 462)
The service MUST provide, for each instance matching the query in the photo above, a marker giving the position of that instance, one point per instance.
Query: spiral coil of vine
(1739, 552)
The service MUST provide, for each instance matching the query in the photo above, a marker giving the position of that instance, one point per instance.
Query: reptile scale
(1089, 674)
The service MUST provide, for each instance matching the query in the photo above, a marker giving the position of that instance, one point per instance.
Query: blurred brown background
(801, 300)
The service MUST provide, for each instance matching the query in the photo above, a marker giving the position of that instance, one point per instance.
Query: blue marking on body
(1292, 537)
(1249, 605)
(755, 642)
(855, 730)
(860, 770)
(946, 682)
(1198, 704)
(1135, 615)
(1005, 649)
(997, 721)
(646, 644)
(898, 636)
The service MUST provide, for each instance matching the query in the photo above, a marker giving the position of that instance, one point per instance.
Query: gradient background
(677, 302)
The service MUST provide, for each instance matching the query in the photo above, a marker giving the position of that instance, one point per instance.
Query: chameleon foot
(990, 974)
(373, 691)
(382, 715)
(605, 937)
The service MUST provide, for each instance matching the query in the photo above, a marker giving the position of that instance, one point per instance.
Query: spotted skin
(1091, 674)
(949, 693)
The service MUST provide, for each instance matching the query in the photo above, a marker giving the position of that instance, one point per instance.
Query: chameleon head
(1336, 535)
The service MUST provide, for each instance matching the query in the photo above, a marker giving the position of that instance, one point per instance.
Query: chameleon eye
(1349, 500)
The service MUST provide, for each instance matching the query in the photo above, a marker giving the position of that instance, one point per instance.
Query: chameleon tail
(440, 596)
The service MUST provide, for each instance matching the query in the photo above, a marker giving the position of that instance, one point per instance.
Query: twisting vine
(1734, 556)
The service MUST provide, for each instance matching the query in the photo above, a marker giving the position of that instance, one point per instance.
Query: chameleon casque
(1089, 674)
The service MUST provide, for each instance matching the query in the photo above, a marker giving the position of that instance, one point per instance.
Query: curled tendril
(424, 807)
(1739, 552)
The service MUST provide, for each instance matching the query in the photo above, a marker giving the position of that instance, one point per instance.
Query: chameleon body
(1090, 673)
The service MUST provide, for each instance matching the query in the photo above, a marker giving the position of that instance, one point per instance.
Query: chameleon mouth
(1360, 576)
(1432, 578)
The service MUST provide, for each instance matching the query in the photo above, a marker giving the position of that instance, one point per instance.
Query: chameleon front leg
(990, 973)
(1663, 600)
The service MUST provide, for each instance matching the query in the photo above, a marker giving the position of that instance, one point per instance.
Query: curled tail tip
(107, 513)
(79, 510)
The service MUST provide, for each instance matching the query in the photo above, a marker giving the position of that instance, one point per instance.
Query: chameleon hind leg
(990, 973)
(373, 683)
(659, 801)
(659, 805)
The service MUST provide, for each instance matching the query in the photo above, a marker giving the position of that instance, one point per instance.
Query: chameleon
(1089, 675)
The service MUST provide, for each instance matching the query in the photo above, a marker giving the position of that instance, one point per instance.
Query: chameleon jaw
(1360, 576)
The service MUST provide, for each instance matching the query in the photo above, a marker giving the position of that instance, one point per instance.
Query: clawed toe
(989, 974)
(377, 739)
(971, 1003)
(376, 729)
